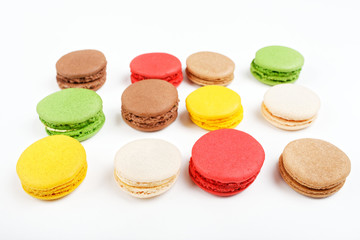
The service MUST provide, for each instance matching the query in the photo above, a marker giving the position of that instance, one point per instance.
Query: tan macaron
(209, 68)
(314, 167)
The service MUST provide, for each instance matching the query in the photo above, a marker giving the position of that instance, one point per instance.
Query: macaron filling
(144, 188)
(86, 79)
(286, 123)
(77, 130)
(275, 77)
(206, 80)
(230, 121)
(175, 79)
(150, 122)
(216, 186)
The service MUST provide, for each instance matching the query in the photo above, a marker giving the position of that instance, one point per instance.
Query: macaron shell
(147, 160)
(292, 102)
(213, 102)
(155, 65)
(316, 163)
(94, 85)
(73, 105)
(81, 63)
(151, 97)
(279, 58)
(228, 155)
(210, 65)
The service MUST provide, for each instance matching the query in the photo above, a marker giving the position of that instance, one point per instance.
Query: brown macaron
(149, 105)
(81, 69)
(314, 167)
(209, 68)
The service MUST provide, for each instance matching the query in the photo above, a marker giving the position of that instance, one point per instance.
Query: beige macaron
(209, 68)
(290, 106)
(147, 167)
(314, 167)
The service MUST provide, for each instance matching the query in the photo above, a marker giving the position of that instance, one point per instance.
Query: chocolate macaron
(81, 69)
(149, 105)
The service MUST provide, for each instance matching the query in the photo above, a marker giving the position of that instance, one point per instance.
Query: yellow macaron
(214, 107)
(52, 167)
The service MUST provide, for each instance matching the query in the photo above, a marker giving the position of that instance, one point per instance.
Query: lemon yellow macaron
(214, 107)
(52, 167)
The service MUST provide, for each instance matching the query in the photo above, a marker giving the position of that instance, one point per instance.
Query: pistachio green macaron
(276, 65)
(73, 112)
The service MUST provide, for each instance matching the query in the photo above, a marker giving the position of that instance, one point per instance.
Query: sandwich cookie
(290, 106)
(313, 167)
(277, 64)
(226, 161)
(52, 167)
(81, 69)
(147, 167)
(214, 107)
(149, 105)
(156, 66)
(209, 68)
(74, 112)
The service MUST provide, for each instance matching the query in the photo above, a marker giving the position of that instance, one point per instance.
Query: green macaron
(276, 65)
(73, 112)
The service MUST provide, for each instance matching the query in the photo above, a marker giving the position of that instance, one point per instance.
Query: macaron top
(50, 162)
(279, 58)
(210, 65)
(150, 97)
(147, 160)
(291, 101)
(228, 155)
(315, 163)
(213, 102)
(155, 65)
(81, 63)
(72, 105)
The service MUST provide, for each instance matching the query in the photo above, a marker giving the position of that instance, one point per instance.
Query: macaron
(276, 65)
(149, 105)
(147, 167)
(290, 106)
(81, 69)
(313, 167)
(214, 107)
(209, 68)
(52, 167)
(226, 161)
(162, 66)
(75, 112)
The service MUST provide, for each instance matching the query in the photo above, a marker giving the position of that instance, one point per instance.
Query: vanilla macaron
(146, 168)
(290, 106)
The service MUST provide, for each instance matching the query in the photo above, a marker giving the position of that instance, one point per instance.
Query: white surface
(34, 35)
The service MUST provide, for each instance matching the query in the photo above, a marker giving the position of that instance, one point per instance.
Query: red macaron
(225, 162)
(162, 66)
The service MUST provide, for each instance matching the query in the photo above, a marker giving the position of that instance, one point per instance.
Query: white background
(35, 34)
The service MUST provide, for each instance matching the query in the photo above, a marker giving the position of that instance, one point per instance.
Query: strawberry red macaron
(162, 66)
(225, 162)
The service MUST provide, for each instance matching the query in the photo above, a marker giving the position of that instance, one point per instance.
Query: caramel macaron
(209, 68)
(313, 167)
(150, 105)
(81, 69)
